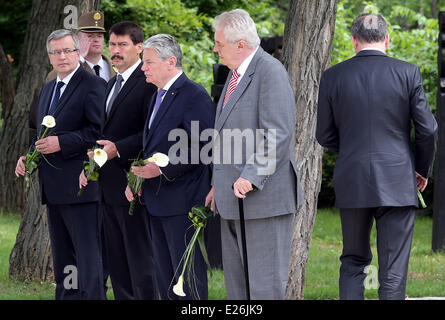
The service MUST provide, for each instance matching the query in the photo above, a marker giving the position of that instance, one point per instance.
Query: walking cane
(244, 244)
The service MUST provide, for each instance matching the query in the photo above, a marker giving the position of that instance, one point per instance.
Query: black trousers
(129, 252)
(170, 237)
(76, 248)
(394, 227)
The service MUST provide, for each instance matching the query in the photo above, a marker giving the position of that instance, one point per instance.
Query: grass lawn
(426, 272)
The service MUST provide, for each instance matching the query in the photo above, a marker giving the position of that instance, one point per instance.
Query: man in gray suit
(255, 121)
(365, 109)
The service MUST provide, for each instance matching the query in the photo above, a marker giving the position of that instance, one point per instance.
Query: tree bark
(434, 9)
(31, 256)
(307, 43)
(7, 91)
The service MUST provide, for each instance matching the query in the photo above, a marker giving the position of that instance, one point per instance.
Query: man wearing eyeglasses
(74, 99)
(90, 31)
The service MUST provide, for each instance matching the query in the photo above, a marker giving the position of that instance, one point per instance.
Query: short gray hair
(369, 28)
(238, 25)
(165, 46)
(62, 33)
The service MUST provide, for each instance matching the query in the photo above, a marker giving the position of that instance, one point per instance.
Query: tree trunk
(31, 255)
(7, 91)
(307, 43)
(434, 9)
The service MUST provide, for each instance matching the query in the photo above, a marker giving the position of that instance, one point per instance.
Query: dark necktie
(117, 87)
(96, 69)
(158, 102)
(56, 98)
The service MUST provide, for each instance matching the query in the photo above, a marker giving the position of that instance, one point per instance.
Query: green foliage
(190, 22)
(413, 37)
(417, 45)
(13, 22)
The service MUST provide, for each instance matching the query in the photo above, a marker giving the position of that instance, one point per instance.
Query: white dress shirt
(104, 70)
(125, 75)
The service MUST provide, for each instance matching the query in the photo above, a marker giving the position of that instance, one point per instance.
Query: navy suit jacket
(77, 118)
(124, 126)
(366, 106)
(184, 102)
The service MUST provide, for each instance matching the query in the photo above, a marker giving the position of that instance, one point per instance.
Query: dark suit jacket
(77, 126)
(184, 102)
(366, 107)
(124, 126)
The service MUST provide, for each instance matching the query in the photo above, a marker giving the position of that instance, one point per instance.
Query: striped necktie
(231, 87)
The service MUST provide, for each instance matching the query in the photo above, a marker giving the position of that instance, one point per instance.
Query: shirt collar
(372, 48)
(67, 79)
(171, 81)
(127, 73)
(245, 64)
(101, 63)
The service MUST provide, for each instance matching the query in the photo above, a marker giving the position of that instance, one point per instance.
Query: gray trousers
(394, 227)
(269, 243)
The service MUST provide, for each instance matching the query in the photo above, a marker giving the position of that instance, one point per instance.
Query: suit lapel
(146, 130)
(128, 86)
(223, 113)
(87, 67)
(169, 97)
(71, 87)
(44, 104)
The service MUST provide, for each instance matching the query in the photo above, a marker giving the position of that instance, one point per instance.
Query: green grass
(426, 276)
(11, 289)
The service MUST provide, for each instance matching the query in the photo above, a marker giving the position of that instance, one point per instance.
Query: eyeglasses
(59, 52)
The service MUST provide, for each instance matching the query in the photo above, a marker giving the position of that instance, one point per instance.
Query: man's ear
(172, 62)
(387, 40)
(241, 44)
(354, 42)
(139, 48)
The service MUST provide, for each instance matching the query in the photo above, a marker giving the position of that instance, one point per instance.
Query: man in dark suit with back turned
(74, 99)
(170, 196)
(365, 109)
(128, 240)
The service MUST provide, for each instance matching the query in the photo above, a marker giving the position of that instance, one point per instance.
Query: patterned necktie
(117, 88)
(56, 98)
(158, 102)
(96, 69)
(231, 87)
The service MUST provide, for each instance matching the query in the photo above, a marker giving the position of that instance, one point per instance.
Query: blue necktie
(158, 102)
(56, 98)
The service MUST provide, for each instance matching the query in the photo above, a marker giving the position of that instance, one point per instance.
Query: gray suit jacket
(366, 107)
(256, 140)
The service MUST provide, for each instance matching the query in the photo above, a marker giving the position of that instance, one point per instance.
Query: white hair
(238, 25)
(165, 46)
